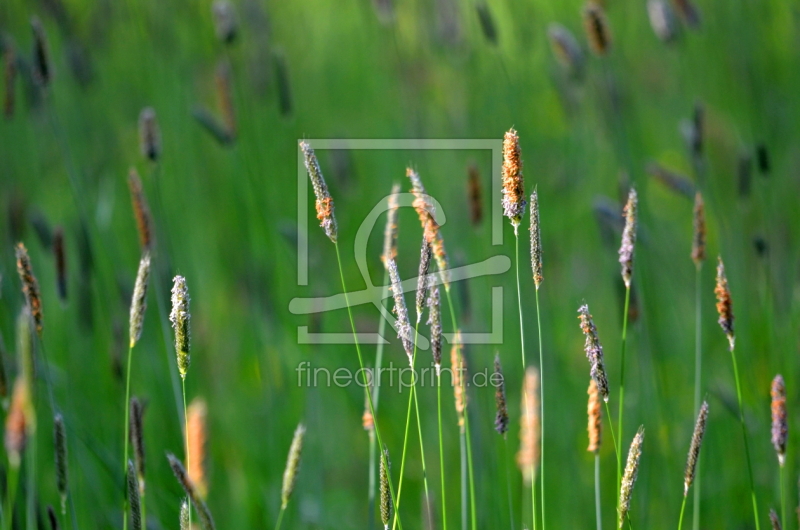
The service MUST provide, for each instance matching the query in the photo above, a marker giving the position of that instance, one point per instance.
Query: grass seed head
(185, 515)
(530, 429)
(724, 303)
(513, 185)
(30, 287)
(401, 312)
(475, 193)
(139, 301)
(501, 415)
(222, 81)
(595, 413)
(390, 232)
(134, 500)
(424, 206)
(662, 20)
(387, 506)
(699, 237)
(42, 69)
(435, 323)
(180, 317)
(780, 428)
(225, 22)
(598, 33)
(324, 204)
(137, 440)
(292, 465)
(196, 443)
(566, 49)
(630, 475)
(694, 448)
(689, 12)
(594, 351)
(774, 521)
(488, 27)
(141, 211)
(677, 183)
(18, 424)
(367, 420)
(422, 277)
(60, 442)
(149, 134)
(61, 263)
(536, 241)
(206, 520)
(53, 518)
(628, 245)
(459, 373)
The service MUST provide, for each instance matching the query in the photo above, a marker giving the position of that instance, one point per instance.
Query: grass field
(225, 218)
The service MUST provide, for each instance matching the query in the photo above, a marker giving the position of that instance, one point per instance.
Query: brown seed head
(225, 24)
(596, 26)
(324, 203)
(141, 211)
(780, 428)
(536, 241)
(530, 428)
(422, 277)
(475, 194)
(513, 185)
(628, 237)
(390, 232)
(724, 303)
(774, 521)
(699, 238)
(595, 418)
(594, 351)
(149, 134)
(459, 373)
(435, 323)
(196, 445)
(629, 477)
(30, 287)
(501, 416)
(694, 448)
(566, 48)
(401, 312)
(424, 206)
(61, 263)
(17, 422)
(292, 465)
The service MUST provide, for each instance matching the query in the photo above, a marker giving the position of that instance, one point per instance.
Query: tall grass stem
(186, 438)
(698, 375)
(597, 506)
(441, 447)
(375, 398)
(622, 389)
(127, 433)
(541, 404)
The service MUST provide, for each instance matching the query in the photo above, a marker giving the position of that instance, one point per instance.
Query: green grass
(229, 215)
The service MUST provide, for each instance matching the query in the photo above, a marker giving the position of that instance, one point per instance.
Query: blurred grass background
(225, 219)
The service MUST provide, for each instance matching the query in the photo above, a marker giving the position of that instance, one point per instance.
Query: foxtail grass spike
(222, 81)
(424, 206)
(530, 429)
(42, 68)
(206, 520)
(689, 12)
(139, 302)
(225, 22)
(629, 477)
(699, 238)
(137, 440)
(149, 134)
(594, 351)
(401, 312)
(134, 500)
(488, 27)
(566, 49)
(501, 416)
(628, 245)
(292, 465)
(595, 413)
(179, 317)
(459, 369)
(324, 204)
(367, 419)
(661, 20)
(724, 303)
(30, 287)
(536, 241)
(390, 232)
(196, 440)
(60, 442)
(61, 263)
(27, 364)
(475, 193)
(422, 278)
(694, 448)
(513, 185)
(598, 33)
(141, 211)
(53, 518)
(17, 422)
(774, 520)
(780, 429)
(680, 184)
(387, 506)
(185, 515)
(435, 323)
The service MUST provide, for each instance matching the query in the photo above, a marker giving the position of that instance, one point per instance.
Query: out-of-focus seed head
(401, 312)
(179, 317)
(206, 520)
(595, 413)
(536, 241)
(292, 465)
(459, 373)
(475, 194)
(699, 238)
(149, 134)
(594, 351)
(488, 27)
(513, 185)
(724, 303)
(137, 440)
(225, 22)
(61, 263)
(630, 475)
(774, 520)
(196, 438)
(424, 206)
(324, 204)
(566, 49)
(501, 415)
(680, 184)
(780, 428)
(694, 448)
(141, 211)
(60, 442)
(595, 24)
(628, 245)
(30, 287)
(18, 422)
(139, 301)
(134, 501)
(367, 420)
(42, 69)
(390, 232)
(530, 428)
(662, 20)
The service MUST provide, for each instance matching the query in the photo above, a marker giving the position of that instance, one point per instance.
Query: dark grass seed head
(501, 415)
(594, 351)
(422, 278)
(536, 241)
(390, 232)
(137, 440)
(149, 134)
(435, 323)
(134, 501)
(595, 24)
(206, 520)
(694, 448)
(780, 427)
(60, 442)
(30, 286)
(699, 234)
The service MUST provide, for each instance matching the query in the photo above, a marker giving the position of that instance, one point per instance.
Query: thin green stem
(541, 404)
(471, 474)
(375, 398)
(12, 480)
(186, 438)
(597, 507)
(441, 446)
(364, 379)
(613, 436)
(744, 436)
(411, 397)
(30, 475)
(683, 507)
(127, 433)
(622, 390)
(419, 428)
(782, 478)
(462, 443)
(524, 364)
(508, 482)
(698, 374)
(280, 518)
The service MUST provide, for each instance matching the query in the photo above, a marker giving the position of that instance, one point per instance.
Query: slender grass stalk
(683, 507)
(698, 374)
(613, 435)
(375, 398)
(186, 438)
(541, 403)
(744, 437)
(280, 518)
(462, 445)
(622, 386)
(422, 449)
(524, 364)
(782, 478)
(597, 506)
(508, 483)
(364, 377)
(127, 432)
(12, 481)
(30, 474)
(441, 446)
(405, 445)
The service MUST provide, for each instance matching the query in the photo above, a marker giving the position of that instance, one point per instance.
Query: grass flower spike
(626, 250)
(324, 204)
(401, 324)
(513, 185)
(780, 429)
(631, 473)
(179, 317)
(724, 303)
(594, 351)
(595, 413)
